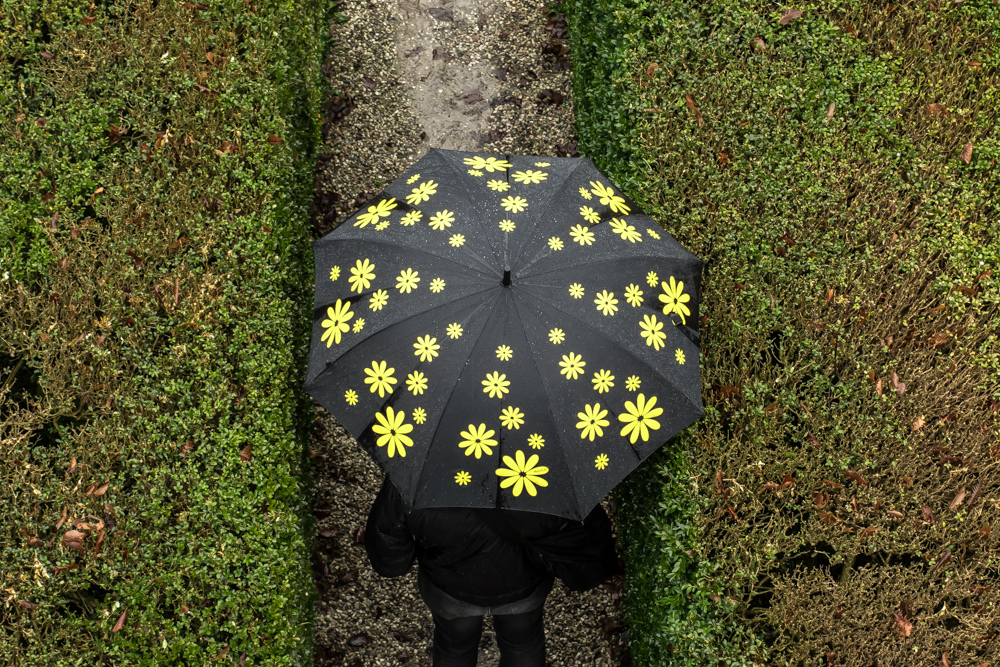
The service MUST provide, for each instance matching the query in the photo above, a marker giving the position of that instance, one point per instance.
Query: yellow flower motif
(626, 231)
(392, 431)
(556, 336)
(359, 324)
(426, 348)
(475, 172)
(380, 378)
(601, 462)
(633, 295)
(338, 314)
(609, 198)
(522, 474)
(413, 179)
(378, 300)
(652, 279)
(381, 210)
(514, 204)
(592, 421)
(454, 330)
(407, 281)
(606, 302)
(419, 415)
(556, 243)
(416, 382)
(507, 225)
(530, 176)
(490, 164)
(463, 478)
(351, 397)
(652, 331)
(633, 382)
(511, 418)
(504, 353)
(585, 193)
(441, 219)
(478, 440)
(496, 384)
(603, 381)
(576, 290)
(541, 164)
(536, 441)
(411, 218)
(382, 225)
(362, 275)
(437, 285)
(679, 355)
(457, 240)
(590, 215)
(572, 365)
(582, 235)
(421, 193)
(673, 299)
(649, 230)
(639, 418)
(499, 186)
(334, 273)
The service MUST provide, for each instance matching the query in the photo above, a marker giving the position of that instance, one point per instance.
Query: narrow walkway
(474, 75)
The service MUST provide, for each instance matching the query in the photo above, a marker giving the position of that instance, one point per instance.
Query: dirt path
(467, 75)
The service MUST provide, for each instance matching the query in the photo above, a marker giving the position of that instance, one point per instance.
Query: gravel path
(470, 75)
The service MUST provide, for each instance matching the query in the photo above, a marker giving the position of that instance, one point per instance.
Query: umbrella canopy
(505, 331)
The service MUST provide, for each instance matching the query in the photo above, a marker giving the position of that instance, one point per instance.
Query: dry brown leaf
(928, 515)
(856, 477)
(35, 542)
(828, 518)
(894, 514)
(72, 466)
(651, 70)
(246, 454)
(73, 539)
(944, 659)
(121, 622)
(30, 606)
(957, 500)
(918, 423)
(769, 486)
(101, 491)
(830, 111)
(905, 627)
(821, 499)
(984, 531)
(967, 153)
(274, 140)
(790, 15)
(758, 43)
(689, 101)
(937, 109)
(787, 481)
(878, 387)
(62, 518)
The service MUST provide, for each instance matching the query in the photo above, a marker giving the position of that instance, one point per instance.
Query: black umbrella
(505, 331)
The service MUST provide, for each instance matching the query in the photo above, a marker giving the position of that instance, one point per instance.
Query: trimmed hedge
(837, 172)
(155, 307)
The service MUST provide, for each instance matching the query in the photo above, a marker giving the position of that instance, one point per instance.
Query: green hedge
(837, 172)
(155, 304)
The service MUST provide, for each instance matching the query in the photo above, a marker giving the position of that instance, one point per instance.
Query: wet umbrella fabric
(505, 331)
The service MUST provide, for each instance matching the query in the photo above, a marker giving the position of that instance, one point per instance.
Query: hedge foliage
(155, 304)
(836, 168)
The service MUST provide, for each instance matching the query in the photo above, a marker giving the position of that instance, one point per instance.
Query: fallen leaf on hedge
(222, 654)
(856, 477)
(360, 639)
(937, 109)
(90, 489)
(821, 499)
(894, 514)
(928, 515)
(967, 153)
(984, 531)
(35, 542)
(790, 15)
(905, 627)
(769, 486)
(787, 481)
(758, 43)
(31, 606)
(102, 490)
(850, 29)
(246, 454)
(73, 539)
(830, 110)
(828, 518)
(689, 101)
(121, 622)
(812, 439)
(274, 140)
(836, 485)
(651, 70)
(62, 519)
(906, 481)
(918, 423)
(243, 658)
(975, 494)
(957, 500)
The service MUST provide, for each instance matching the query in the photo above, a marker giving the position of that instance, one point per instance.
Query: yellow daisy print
(633, 294)
(572, 365)
(582, 235)
(490, 164)
(496, 384)
(609, 198)
(419, 415)
(411, 218)
(380, 378)
(585, 193)
(413, 179)
(522, 474)
(590, 215)
(530, 176)
(378, 300)
(351, 397)
(639, 418)
(603, 381)
(541, 164)
(556, 243)
(407, 281)
(336, 323)
(652, 279)
(514, 204)
(536, 441)
(359, 324)
(455, 331)
(416, 382)
(382, 225)
(437, 285)
(633, 382)
(601, 462)
(673, 299)
(499, 186)
(576, 290)
(475, 172)
(606, 302)
(380, 210)
(592, 421)
(504, 353)
(334, 273)
(457, 240)
(511, 418)
(507, 225)
(556, 336)
(626, 231)
(442, 219)
(426, 348)
(462, 478)
(655, 235)
(477, 440)
(362, 275)
(392, 431)
(421, 193)
(652, 331)
(679, 355)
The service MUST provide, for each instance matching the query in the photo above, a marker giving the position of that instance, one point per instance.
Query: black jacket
(465, 558)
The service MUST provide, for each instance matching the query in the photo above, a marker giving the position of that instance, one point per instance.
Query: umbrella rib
(602, 260)
(430, 254)
(541, 215)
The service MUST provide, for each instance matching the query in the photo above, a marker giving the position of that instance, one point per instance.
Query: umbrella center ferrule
(506, 276)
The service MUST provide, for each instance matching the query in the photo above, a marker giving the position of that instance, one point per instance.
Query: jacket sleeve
(582, 554)
(389, 543)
